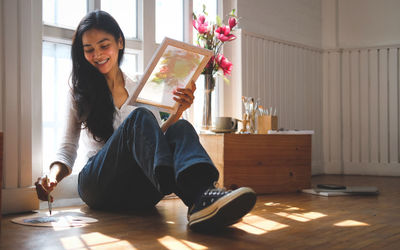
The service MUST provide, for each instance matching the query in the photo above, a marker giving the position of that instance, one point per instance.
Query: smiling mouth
(103, 62)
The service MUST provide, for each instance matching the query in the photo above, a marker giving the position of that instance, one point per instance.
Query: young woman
(132, 161)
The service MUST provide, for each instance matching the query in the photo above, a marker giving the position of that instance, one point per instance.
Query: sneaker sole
(225, 211)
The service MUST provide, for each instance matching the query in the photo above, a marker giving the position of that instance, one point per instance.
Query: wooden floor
(279, 221)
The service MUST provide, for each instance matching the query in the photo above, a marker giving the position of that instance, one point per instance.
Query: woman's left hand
(185, 97)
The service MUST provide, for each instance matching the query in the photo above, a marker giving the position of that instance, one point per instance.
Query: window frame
(57, 34)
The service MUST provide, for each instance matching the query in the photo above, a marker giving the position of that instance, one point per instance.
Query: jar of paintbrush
(267, 120)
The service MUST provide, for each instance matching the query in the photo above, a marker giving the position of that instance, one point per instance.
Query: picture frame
(174, 64)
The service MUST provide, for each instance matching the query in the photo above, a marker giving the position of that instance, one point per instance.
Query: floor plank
(278, 221)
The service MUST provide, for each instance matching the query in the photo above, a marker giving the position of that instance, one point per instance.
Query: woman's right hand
(44, 185)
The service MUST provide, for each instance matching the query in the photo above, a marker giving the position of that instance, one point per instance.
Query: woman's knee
(182, 125)
(140, 112)
(140, 117)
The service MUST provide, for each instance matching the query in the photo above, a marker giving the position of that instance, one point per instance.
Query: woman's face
(101, 50)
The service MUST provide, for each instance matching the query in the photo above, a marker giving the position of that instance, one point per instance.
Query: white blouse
(67, 151)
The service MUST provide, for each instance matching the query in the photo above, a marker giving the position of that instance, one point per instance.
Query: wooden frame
(174, 64)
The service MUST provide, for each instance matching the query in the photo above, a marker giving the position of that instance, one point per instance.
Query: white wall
(366, 23)
(290, 20)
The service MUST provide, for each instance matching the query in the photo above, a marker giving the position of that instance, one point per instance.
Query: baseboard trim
(378, 169)
(316, 168)
(359, 168)
(333, 167)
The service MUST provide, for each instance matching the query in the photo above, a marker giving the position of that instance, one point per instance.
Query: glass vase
(209, 83)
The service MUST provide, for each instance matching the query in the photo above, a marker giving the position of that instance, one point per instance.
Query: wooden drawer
(266, 163)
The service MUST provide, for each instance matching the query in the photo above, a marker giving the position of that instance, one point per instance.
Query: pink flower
(232, 22)
(200, 24)
(223, 34)
(224, 64)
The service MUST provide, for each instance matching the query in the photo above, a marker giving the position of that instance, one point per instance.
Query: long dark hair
(92, 97)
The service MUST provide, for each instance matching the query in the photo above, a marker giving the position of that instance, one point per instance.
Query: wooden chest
(266, 163)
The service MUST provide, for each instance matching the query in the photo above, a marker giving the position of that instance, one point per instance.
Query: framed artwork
(174, 64)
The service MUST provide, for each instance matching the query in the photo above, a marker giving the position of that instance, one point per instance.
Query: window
(169, 19)
(125, 13)
(56, 67)
(64, 13)
(130, 62)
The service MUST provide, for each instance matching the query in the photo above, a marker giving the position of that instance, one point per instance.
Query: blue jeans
(139, 164)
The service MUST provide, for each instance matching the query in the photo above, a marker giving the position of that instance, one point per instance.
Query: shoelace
(211, 192)
(216, 191)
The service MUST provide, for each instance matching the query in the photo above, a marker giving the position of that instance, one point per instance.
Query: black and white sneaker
(218, 208)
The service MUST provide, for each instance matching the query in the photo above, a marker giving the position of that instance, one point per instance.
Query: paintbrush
(48, 197)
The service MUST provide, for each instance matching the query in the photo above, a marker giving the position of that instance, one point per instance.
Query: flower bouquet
(213, 36)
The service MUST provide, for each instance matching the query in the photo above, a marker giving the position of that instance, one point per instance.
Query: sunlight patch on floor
(313, 215)
(272, 204)
(302, 217)
(94, 241)
(172, 243)
(257, 225)
(282, 206)
(292, 209)
(351, 223)
(293, 217)
(193, 245)
(72, 242)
